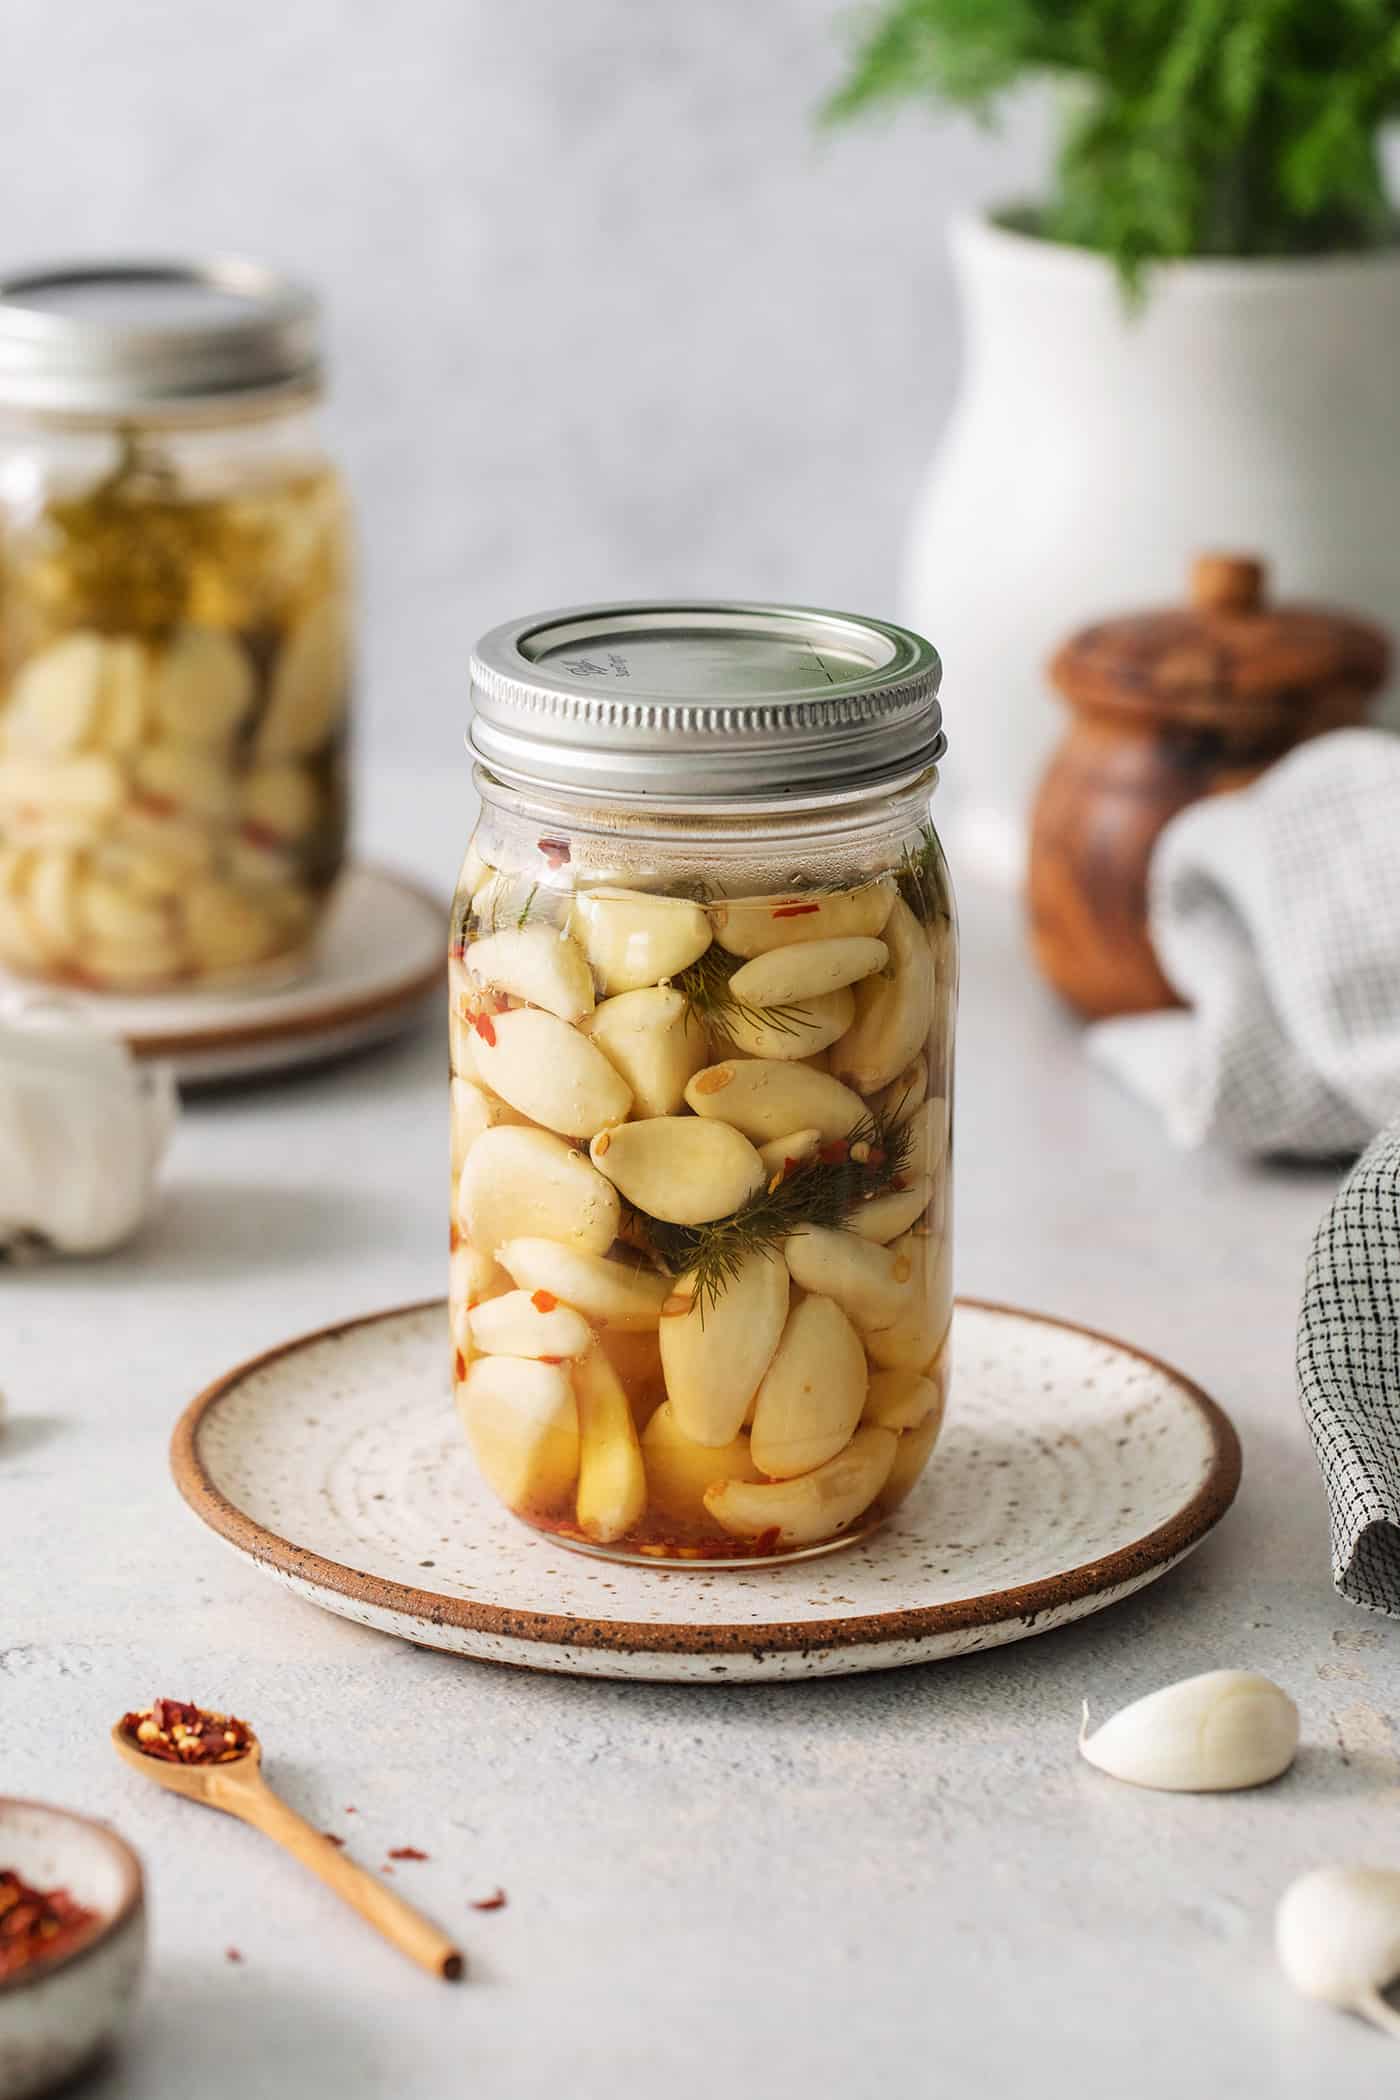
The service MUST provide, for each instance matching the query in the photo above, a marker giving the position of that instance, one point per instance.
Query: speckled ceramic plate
(1073, 1470)
(381, 956)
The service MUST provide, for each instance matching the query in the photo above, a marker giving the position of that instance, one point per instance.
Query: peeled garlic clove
(863, 1279)
(812, 1393)
(928, 1136)
(784, 976)
(910, 1339)
(1208, 1734)
(550, 1072)
(781, 1155)
(607, 1293)
(679, 1470)
(912, 1454)
(801, 1029)
(612, 1484)
(226, 928)
(633, 939)
(523, 1425)
(310, 685)
(279, 805)
(51, 900)
(55, 697)
(765, 1099)
(814, 1507)
(124, 716)
(678, 1168)
(522, 1183)
(83, 790)
(538, 964)
(1337, 1935)
(901, 1399)
(893, 1013)
(754, 925)
(714, 1355)
(175, 780)
(473, 1112)
(202, 688)
(636, 1358)
(897, 1102)
(529, 1323)
(655, 1042)
(884, 1218)
(105, 911)
(473, 1277)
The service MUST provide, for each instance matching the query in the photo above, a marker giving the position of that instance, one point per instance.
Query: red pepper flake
(406, 1852)
(457, 952)
(767, 1541)
(232, 1954)
(459, 1367)
(543, 1301)
(482, 1023)
(37, 1924)
(496, 1901)
(260, 834)
(352, 1811)
(454, 1239)
(179, 1733)
(551, 1359)
(555, 851)
(501, 1002)
(331, 1839)
(835, 1154)
(795, 911)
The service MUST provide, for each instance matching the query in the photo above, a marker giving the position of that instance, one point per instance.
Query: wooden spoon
(239, 1789)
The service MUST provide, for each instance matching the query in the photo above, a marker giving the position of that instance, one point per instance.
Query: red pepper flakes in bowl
(37, 1924)
(182, 1734)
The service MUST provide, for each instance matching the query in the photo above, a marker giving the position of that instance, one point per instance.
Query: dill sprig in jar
(703, 986)
(174, 627)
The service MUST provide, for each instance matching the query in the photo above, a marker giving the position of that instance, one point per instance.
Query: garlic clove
(715, 1356)
(893, 1013)
(928, 1135)
(523, 1424)
(780, 1155)
(679, 1471)
(529, 1323)
(905, 1092)
(884, 1218)
(754, 925)
(812, 1393)
(55, 697)
(473, 1277)
(901, 1399)
(912, 1453)
(124, 717)
(766, 1099)
(655, 1042)
(1209, 1734)
(226, 928)
(806, 969)
(1337, 1936)
(814, 1507)
(522, 1183)
(678, 1168)
(474, 1111)
(549, 1071)
(279, 804)
(922, 1271)
(51, 898)
(634, 939)
(71, 795)
(310, 685)
(862, 1278)
(202, 687)
(538, 964)
(608, 1293)
(802, 1029)
(612, 1485)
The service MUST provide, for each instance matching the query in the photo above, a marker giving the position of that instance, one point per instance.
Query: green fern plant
(1200, 127)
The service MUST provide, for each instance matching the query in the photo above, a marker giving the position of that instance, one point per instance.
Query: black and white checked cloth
(1349, 1374)
(1275, 912)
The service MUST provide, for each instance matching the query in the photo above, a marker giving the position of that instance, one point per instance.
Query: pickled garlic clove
(679, 1168)
(812, 1393)
(529, 1323)
(865, 1280)
(55, 697)
(51, 901)
(226, 929)
(798, 1032)
(538, 964)
(813, 1507)
(550, 1072)
(20, 942)
(124, 717)
(310, 685)
(280, 803)
(925, 1308)
(608, 1293)
(175, 780)
(714, 1356)
(766, 1099)
(108, 911)
(634, 939)
(202, 687)
(753, 925)
(523, 1424)
(912, 1454)
(780, 1155)
(928, 1136)
(612, 1486)
(897, 1102)
(84, 790)
(901, 1399)
(893, 1013)
(522, 1183)
(655, 1042)
(679, 1470)
(884, 1218)
(784, 976)
(473, 1112)
(472, 1278)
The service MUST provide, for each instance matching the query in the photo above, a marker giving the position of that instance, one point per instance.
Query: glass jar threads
(703, 986)
(175, 627)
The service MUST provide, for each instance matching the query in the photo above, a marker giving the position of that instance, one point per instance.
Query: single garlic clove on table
(612, 1486)
(679, 1470)
(608, 1293)
(805, 970)
(814, 1507)
(1337, 1935)
(549, 1071)
(521, 1183)
(634, 939)
(529, 1323)
(754, 925)
(523, 1424)
(1209, 1734)
(812, 1393)
(538, 964)
(766, 1099)
(655, 1042)
(797, 1032)
(714, 1355)
(679, 1168)
(893, 1012)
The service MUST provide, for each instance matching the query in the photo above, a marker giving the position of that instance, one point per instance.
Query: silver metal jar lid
(705, 701)
(113, 339)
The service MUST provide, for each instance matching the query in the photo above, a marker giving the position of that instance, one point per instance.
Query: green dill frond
(704, 985)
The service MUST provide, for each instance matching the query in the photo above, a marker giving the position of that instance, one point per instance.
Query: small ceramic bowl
(58, 2015)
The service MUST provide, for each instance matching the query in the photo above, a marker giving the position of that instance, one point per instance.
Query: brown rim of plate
(368, 1007)
(128, 1903)
(1140, 1559)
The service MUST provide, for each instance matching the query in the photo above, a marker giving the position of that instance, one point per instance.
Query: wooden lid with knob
(1230, 646)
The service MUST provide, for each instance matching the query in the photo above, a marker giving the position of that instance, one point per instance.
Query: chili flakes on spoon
(182, 1734)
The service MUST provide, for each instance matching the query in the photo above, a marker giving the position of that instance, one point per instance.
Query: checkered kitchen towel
(1275, 912)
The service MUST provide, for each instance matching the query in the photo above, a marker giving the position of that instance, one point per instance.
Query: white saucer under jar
(703, 992)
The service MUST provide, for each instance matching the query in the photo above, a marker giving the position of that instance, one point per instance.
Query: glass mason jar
(703, 986)
(174, 628)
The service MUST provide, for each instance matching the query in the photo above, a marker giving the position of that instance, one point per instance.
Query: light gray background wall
(607, 314)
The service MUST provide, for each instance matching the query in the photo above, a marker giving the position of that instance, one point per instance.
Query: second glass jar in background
(175, 627)
(703, 982)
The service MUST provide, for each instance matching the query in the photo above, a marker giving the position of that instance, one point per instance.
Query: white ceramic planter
(1093, 450)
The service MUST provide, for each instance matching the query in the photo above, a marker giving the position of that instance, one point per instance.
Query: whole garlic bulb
(82, 1130)
(1208, 1734)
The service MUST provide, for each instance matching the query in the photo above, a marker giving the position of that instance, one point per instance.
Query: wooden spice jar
(1166, 707)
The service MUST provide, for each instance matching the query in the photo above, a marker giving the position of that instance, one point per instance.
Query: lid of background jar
(701, 700)
(96, 340)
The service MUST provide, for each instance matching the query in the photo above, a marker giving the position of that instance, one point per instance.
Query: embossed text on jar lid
(705, 701)
(147, 338)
